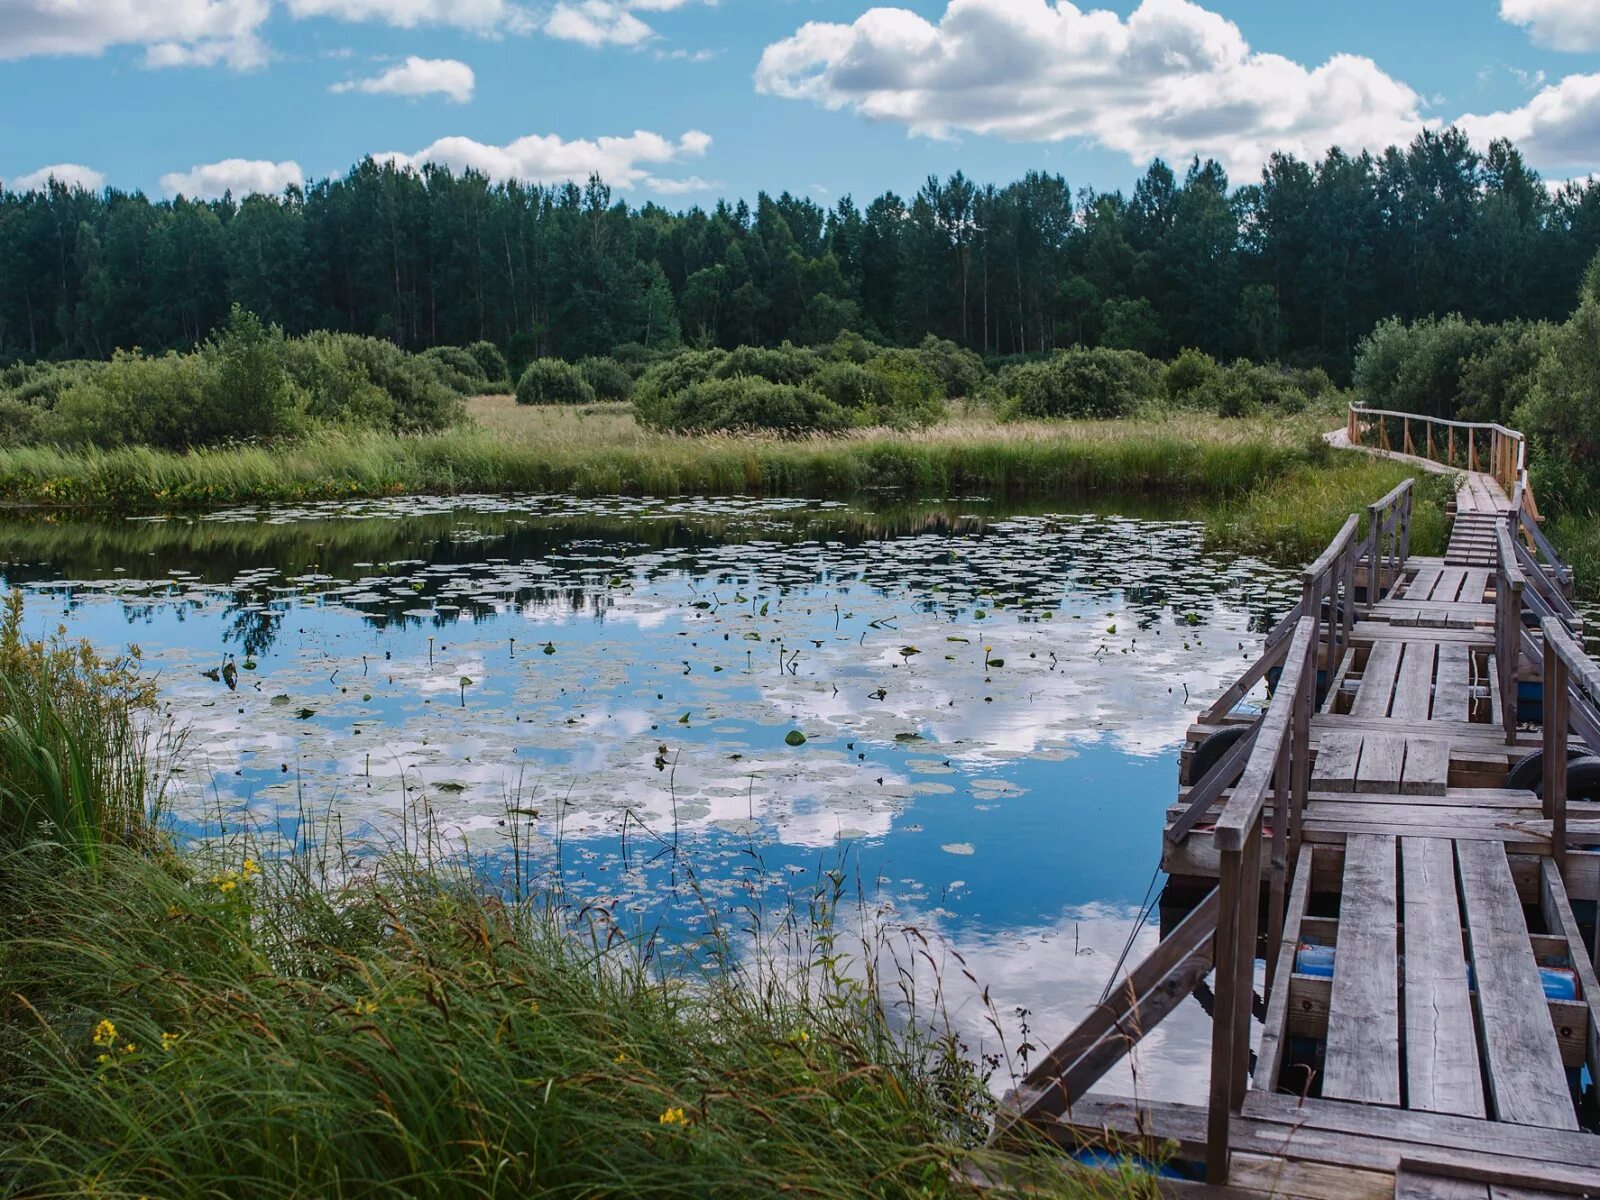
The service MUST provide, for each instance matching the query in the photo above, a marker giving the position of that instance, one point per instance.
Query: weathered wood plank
(1451, 701)
(1338, 755)
(1417, 1185)
(1427, 767)
(1421, 587)
(1441, 1041)
(1448, 589)
(1413, 693)
(1527, 1084)
(1376, 692)
(1476, 585)
(1383, 758)
(1363, 1050)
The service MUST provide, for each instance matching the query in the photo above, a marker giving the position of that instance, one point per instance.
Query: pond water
(990, 702)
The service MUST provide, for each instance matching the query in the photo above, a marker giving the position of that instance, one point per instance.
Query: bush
(552, 381)
(420, 401)
(1561, 415)
(749, 403)
(609, 378)
(1244, 388)
(20, 422)
(1187, 374)
(1417, 368)
(912, 394)
(852, 387)
(660, 385)
(787, 364)
(1082, 383)
(335, 387)
(457, 369)
(960, 372)
(493, 363)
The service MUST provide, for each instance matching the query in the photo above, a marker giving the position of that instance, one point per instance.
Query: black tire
(1529, 772)
(1213, 750)
(1583, 779)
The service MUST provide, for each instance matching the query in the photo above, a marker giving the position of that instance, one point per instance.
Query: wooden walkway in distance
(1409, 905)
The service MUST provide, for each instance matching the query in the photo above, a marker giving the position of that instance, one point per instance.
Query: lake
(684, 711)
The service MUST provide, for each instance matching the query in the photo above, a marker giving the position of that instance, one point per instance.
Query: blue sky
(703, 100)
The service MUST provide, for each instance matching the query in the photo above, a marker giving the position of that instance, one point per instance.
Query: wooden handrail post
(1430, 441)
(1223, 999)
(1374, 567)
(1405, 437)
(1508, 649)
(1472, 452)
(1405, 529)
(1556, 718)
(1451, 456)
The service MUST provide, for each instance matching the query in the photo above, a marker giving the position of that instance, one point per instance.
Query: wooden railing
(1535, 622)
(1280, 764)
(1452, 443)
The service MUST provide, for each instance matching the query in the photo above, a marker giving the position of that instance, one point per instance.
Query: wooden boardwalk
(1428, 1019)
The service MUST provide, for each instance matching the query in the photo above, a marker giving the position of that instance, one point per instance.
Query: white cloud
(1173, 79)
(1558, 129)
(176, 32)
(241, 176)
(1559, 24)
(609, 22)
(597, 23)
(418, 77)
(623, 162)
(483, 15)
(74, 175)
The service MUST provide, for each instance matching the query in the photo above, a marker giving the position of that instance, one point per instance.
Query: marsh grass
(75, 749)
(1293, 517)
(600, 450)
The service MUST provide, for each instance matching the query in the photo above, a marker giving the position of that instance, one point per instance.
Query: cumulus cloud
(480, 15)
(418, 77)
(1172, 79)
(607, 22)
(175, 32)
(1558, 24)
(241, 176)
(1558, 129)
(73, 175)
(624, 162)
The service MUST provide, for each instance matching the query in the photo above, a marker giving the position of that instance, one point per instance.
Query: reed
(601, 450)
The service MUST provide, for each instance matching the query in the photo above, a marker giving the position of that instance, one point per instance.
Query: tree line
(1295, 267)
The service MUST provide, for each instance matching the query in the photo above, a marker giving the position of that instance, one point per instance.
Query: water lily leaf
(795, 738)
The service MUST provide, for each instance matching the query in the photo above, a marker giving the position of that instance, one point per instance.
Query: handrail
(1281, 761)
(1506, 453)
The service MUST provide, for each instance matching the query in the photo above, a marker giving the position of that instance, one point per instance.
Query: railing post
(1352, 426)
(1374, 568)
(1452, 452)
(1223, 1000)
(1472, 451)
(1405, 528)
(1430, 441)
(1556, 719)
(1508, 648)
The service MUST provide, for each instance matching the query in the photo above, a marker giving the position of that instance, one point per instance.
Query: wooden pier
(1377, 903)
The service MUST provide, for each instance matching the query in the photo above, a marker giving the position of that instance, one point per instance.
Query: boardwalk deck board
(1451, 680)
(1376, 692)
(1442, 1072)
(1427, 767)
(1527, 1084)
(1363, 1057)
(1383, 758)
(1413, 692)
(1338, 755)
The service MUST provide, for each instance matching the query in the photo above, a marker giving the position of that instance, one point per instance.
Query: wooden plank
(1338, 755)
(1448, 588)
(1413, 692)
(1363, 1049)
(1558, 918)
(1383, 758)
(1427, 767)
(1527, 1084)
(1453, 677)
(1476, 585)
(1269, 1055)
(1411, 1184)
(1441, 1042)
(1376, 692)
(1422, 586)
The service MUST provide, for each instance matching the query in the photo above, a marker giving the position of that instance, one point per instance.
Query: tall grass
(601, 452)
(1294, 516)
(74, 752)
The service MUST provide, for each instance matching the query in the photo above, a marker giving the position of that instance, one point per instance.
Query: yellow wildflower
(105, 1033)
(128, 1047)
(802, 1038)
(168, 1041)
(249, 869)
(172, 911)
(102, 1058)
(620, 1058)
(673, 1116)
(365, 1008)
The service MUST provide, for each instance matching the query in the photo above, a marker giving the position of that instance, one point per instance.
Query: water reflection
(990, 702)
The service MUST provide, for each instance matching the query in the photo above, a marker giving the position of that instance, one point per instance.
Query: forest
(1295, 267)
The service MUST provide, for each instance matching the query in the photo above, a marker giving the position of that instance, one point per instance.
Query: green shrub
(912, 394)
(1561, 416)
(750, 403)
(852, 387)
(552, 381)
(421, 402)
(787, 364)
(1187, 374)
(1243, 388)
(609, 378)
(20, 422)
(334, 386)
(960, 372)
(1082, 383)
(493, 363)
(661, 384)
(851, 347)
(457, 369)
